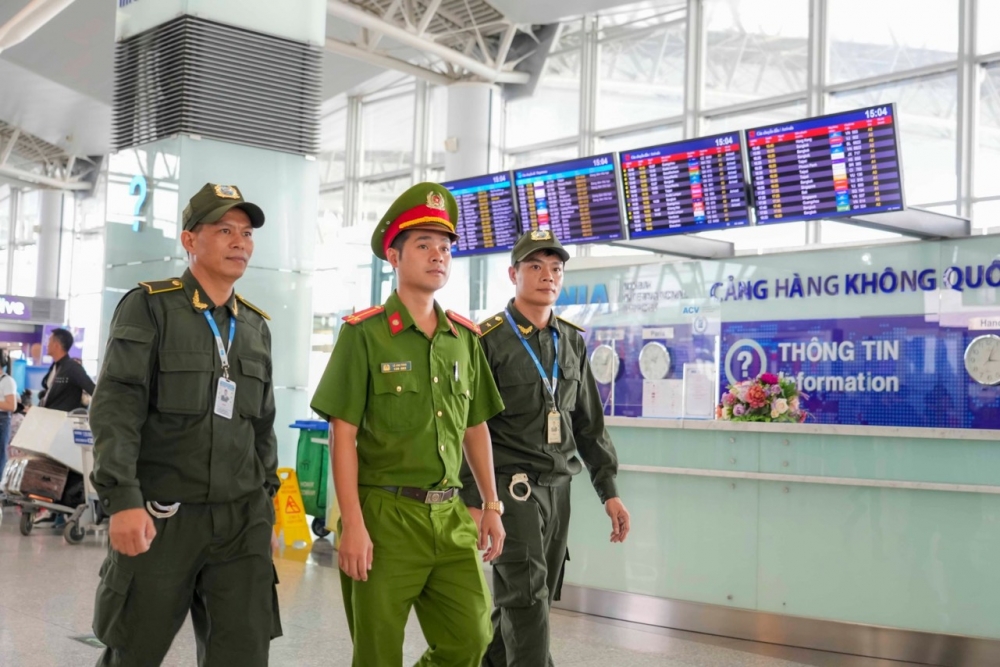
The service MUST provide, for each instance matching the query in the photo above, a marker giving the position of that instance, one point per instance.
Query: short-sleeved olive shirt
(411, 397)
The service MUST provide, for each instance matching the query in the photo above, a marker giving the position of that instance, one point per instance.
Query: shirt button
(399, 389)
(440, 413)
(435, 380)
(445, 481)
(442, 448)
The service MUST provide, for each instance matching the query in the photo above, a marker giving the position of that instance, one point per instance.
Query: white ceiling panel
(551, 11)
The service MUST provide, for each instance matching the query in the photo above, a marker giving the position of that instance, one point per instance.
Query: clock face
(604, 362)
(654, 361)
(982, 359)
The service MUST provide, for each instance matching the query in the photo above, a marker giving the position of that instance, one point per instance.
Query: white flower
(779, 407)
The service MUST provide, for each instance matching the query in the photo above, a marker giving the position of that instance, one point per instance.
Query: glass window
(988, 133)
(26, 243)
(765, 237)
(755, 118)
(328, 225)
(333, 158)
(840, 232)
(6, 197)
(540, 156)
(754, 49)
(641, 67)
(640, 139)
(987, 19)
(387, 135)
(986, 216)
(871, 38)
(375, 199)
(553, 110)
(927, 118)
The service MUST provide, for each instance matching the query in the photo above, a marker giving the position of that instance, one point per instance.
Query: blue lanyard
(554, 384)
(223, 351)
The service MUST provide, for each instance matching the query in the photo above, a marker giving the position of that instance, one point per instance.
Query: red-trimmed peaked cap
(424, 206)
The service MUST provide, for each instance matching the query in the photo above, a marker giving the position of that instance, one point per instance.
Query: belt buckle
(519, 478)
(434, 497)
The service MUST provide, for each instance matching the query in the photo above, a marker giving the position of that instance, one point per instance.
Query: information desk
(487, 221)
(685, 186)
(841, 164)
(577, 199)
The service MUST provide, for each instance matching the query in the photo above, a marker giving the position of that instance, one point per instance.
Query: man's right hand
(356, 552)
(132, 531)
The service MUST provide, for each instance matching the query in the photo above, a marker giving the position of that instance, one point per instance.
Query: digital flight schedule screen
(487, 221)
(839, 164)
(686, 186)
(577, 199)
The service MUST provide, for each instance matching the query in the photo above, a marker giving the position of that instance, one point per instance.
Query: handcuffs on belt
(161, 511)
(519, 478)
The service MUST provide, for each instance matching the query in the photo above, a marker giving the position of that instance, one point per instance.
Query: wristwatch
(495, 505)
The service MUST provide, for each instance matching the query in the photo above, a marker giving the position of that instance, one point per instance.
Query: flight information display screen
(487, 220)
(576, 199)
(686, 186)
(840, 164)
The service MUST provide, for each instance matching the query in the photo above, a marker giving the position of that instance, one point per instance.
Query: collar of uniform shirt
(191, 285)
(524, 322)
(394, 308)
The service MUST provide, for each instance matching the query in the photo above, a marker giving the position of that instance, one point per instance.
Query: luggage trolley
(52, 443)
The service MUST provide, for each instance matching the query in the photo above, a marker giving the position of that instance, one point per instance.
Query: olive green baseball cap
(533, 241)
(212, 202)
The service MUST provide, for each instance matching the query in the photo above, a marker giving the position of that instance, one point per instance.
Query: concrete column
(50, 228)
(472, 148)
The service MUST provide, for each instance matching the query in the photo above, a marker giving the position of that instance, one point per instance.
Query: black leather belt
(423, 495)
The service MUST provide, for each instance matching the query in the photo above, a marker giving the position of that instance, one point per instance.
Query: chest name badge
(396, 366)
(225, 398)
(553, 428)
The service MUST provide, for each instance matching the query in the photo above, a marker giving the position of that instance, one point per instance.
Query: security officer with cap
(552, 411)
(185, 456)
(406, 390)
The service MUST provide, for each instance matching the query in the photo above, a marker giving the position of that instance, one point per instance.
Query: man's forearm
(479, 453)
(343, 442)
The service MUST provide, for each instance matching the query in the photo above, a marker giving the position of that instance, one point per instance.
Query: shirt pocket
(184, 385)
(569, 387)
(250, 388)
(396, 404)
(128, 354)
(521, 390)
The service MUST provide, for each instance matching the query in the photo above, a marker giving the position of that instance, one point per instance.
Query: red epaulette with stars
(361, 316)
(464, 321)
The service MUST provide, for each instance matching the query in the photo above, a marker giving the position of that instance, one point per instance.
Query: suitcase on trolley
(35, 476)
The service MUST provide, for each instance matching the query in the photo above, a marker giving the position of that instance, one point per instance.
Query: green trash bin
(312, 462)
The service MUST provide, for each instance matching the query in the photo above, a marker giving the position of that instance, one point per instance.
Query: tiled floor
(47, 592)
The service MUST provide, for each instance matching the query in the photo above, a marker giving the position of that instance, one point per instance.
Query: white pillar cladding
(285, 185)
(473, 130)
(50, 215)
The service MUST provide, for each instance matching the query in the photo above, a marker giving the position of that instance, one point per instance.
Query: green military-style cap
(533, 241)
(210, 203)
(424, 206)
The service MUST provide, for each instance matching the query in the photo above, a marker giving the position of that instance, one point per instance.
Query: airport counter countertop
(873, 525)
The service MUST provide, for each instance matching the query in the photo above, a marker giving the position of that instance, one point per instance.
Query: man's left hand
(620, 520)
(491, 535)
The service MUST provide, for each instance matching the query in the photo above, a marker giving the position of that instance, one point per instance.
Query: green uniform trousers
(213, 560)
(425, 558)
(527, 577)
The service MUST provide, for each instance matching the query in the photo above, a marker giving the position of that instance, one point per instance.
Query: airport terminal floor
(48, 595)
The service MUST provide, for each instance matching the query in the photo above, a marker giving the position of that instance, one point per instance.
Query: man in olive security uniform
(185, 456)
(552, 412)
(407, 390)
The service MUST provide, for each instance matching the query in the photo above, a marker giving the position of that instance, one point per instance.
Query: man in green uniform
(185, 456)
(406, 389)
(552, 411)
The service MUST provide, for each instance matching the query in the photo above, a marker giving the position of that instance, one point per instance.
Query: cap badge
(435, 200)
(227, 192)
(541, 235)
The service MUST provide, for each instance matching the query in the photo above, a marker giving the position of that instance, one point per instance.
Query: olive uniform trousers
(528, 576)
(424, 558)
(213, 560)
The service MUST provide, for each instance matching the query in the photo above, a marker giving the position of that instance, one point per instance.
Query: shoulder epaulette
(489, 325)
(362, 315)
(464, 321)
(253, 307)
(575, 326)
(161, 286)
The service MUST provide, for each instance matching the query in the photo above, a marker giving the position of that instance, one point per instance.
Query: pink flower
(774, 390)
(769, 378)
(739, 411)
(793, 404)
(756, 397)
(728, 399)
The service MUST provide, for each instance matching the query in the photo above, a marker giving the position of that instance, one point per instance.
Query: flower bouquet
(768, 398)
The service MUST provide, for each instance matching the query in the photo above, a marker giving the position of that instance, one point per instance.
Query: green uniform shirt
(156, 434)
(519, 432)
(411, 397)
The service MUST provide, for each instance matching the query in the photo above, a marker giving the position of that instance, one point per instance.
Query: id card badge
(225, 398)
(554, 428)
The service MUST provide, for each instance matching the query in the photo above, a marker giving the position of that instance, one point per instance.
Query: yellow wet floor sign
(289, 518)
